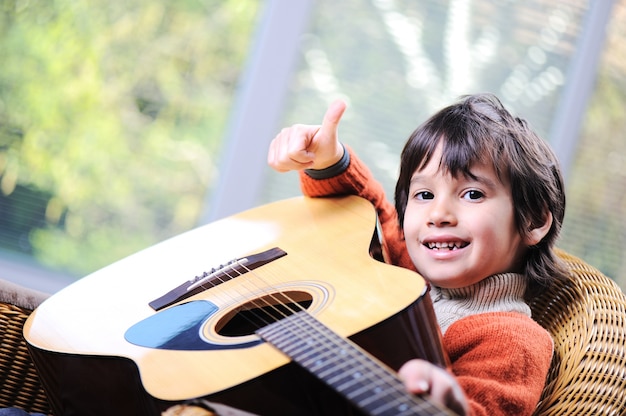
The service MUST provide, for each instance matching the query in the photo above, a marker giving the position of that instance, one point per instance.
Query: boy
(479, 203)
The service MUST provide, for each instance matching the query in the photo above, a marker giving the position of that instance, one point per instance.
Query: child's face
(461, 230)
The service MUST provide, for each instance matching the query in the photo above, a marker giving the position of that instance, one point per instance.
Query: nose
(441, 213)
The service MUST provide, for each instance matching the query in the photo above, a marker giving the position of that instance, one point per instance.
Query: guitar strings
(390, 380)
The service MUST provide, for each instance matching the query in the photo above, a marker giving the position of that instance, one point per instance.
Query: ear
(535, 235)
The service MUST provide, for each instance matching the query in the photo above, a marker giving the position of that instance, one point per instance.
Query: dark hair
(478, 129)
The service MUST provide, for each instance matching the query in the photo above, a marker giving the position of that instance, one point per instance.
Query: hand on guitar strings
(423, 377)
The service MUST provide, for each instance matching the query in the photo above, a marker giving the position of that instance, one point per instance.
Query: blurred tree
(114, 111)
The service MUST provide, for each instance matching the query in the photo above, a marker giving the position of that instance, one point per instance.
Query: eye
(423, 195)
(473, 195)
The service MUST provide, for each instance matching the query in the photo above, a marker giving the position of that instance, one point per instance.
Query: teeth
(445, 245)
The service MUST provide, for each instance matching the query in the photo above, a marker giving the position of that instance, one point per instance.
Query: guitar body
(101, 349)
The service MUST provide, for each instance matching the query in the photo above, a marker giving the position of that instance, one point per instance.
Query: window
(111, 120)
(596, 189)
(123, 124)
(396, 62)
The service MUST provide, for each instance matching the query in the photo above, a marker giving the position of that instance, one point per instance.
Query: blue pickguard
(178, 328)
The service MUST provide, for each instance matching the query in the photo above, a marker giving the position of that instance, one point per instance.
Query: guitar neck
(342, 365)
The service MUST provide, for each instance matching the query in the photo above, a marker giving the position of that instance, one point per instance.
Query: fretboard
(345, 367)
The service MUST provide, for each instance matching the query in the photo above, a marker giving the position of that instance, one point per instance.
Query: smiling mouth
(451, 245)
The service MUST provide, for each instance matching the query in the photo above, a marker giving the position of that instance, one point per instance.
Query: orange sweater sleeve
(501, 360)
(357, 179)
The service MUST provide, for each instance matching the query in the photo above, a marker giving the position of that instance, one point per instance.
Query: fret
(315, 358)
(345, 367)
(378, 393)
(370, 392)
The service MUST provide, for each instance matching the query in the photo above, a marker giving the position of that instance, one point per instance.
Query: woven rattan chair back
(587, 319)
(21, 386)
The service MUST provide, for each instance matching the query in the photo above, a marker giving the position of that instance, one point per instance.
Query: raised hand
(308, 146)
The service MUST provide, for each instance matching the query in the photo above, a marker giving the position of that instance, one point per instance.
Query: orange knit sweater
(500, 359)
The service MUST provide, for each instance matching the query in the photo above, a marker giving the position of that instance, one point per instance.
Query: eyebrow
(416, 178)
(486, 181)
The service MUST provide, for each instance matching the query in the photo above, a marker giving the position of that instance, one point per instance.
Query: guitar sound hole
(263, 311)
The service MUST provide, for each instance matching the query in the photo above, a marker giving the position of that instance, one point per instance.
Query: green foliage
(116, 111)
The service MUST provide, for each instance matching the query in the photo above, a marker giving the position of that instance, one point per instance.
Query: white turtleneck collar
(498, 293)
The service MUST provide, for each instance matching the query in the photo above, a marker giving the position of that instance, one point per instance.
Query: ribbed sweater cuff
(356, 179)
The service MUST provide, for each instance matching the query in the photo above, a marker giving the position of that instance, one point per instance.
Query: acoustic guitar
(283, 309)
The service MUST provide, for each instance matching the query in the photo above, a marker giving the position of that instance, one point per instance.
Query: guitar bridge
(216, 276)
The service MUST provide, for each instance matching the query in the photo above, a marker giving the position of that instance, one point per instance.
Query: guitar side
(326, 241)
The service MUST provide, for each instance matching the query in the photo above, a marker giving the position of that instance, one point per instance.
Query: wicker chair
(587, 320)
(20, 383)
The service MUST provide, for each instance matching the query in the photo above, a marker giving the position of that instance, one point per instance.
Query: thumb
(332, 117)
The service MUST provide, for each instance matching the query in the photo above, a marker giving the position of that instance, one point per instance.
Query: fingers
(423, 377)
(416, 375)
(332, 118)
(308, 147)
(187, 410)
(290, 148)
